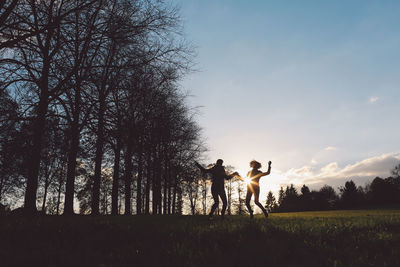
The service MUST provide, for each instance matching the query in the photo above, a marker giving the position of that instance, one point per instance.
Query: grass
(331, 238)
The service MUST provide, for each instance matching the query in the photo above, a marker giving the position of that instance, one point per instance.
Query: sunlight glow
(247, 180)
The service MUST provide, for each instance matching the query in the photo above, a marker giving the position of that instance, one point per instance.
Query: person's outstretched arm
(230, 176)
(202, 168)
(240, 177)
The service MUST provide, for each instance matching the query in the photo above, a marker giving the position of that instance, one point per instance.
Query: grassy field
(332, 238)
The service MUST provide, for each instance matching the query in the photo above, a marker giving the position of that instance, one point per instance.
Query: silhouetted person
(217, 187)
(253, 186)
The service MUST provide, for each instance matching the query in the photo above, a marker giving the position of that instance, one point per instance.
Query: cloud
(360, 172)
(331, 167)
(330, 148)
(373, 99)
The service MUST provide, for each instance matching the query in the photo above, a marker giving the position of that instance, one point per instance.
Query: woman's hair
(255, 164)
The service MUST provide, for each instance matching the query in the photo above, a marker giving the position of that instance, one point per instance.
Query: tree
(349, 195)
(241, 203)
(204, 184)
(11, 145)
(34, 68)
(79, 51)
(281, 196)
(100, 77)
(305, 190)
(229, 189)
(396, 171)
(289, 201)
(270, 204)
(328, 197)
(384, 191)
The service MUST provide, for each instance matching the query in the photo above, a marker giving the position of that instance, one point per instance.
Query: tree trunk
(115, 184)
(1, 187)
(71, 170)
(165, 193)
(154, 190)
(128, 179)
(46, 187)
(98, 158)
(159, 189)
(73, 154)
(59, 197)
(148, 183)
(174, 197)
(169, 190)
(34, 160)
(139, 182)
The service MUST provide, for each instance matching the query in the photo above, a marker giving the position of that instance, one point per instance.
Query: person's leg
(256, 197)
(214, 193)
(222, 194)
(248, 197)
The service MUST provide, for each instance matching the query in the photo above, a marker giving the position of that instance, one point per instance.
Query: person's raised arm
(261, 174)
(269, 169)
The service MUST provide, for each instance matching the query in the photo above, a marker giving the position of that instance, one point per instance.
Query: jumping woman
(253, 185)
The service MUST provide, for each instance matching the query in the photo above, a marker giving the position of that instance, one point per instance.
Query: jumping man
(217, 187)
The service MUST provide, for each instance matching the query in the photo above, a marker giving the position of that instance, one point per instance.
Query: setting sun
(247, 180)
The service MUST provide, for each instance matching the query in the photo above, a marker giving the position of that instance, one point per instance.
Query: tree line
(91, 111)
(381, 192)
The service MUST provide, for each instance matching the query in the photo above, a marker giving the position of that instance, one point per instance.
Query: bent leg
(256, 197)
(248, 197)
(224, 201)
(214, 193)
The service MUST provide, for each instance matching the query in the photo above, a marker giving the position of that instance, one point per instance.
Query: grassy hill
(331, 238)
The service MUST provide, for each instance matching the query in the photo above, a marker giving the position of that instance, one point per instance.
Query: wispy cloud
(373, 99)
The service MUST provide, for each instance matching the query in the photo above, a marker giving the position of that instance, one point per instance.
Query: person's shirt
(218, 175)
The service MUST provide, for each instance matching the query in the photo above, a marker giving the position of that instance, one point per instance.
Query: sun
(247, 180)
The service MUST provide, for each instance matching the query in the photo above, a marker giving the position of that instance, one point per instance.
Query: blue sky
(313, 86)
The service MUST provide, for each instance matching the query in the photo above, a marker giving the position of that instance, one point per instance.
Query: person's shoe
(251, 216)
(266, 214)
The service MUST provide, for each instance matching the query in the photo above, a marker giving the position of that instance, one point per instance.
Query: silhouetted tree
(349, 195)
(396, 171)
(229, 190)
(281, 196)
(11, 146)
(290, 200)
(34, 68)
(240, 207)
(270, 204)
(328, 197)
(384, 191)
(305, 199)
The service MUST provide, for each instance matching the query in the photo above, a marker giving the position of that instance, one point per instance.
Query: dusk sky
(313, 86)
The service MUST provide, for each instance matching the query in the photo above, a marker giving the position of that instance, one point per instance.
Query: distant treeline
(379, 193)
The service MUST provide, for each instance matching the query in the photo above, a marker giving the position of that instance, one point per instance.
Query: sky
(313, 86)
